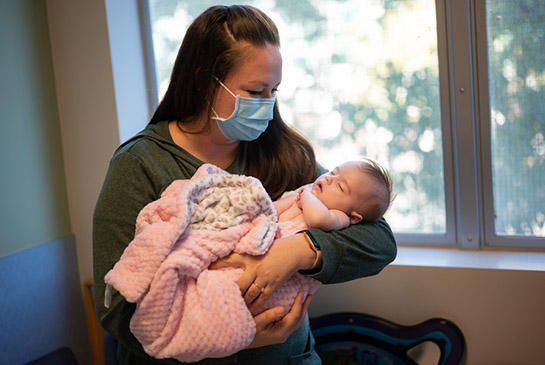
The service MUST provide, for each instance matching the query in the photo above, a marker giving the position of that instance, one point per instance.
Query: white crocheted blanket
(184, 310)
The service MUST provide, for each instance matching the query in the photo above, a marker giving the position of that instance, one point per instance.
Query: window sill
(456, 258)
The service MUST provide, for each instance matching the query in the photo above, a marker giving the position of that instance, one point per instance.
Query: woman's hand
(273, 327)
(264, 274)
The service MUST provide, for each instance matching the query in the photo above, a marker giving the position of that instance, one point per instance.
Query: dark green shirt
(140, 170)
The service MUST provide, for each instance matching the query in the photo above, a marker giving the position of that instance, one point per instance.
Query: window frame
(465, 122)
(449, 237)
(483, 101)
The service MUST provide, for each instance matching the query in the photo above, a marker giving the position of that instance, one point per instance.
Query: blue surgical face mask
(249, 119)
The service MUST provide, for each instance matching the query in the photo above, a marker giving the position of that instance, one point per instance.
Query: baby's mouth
(318, 186)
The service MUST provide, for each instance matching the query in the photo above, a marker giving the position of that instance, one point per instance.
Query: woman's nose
(267, 94)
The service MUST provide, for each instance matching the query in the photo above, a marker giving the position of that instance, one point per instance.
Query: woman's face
(257, 76)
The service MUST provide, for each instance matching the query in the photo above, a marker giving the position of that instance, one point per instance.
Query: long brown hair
(281, 158)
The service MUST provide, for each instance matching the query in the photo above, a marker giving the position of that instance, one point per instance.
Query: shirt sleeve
(359, 250)
(126, 190)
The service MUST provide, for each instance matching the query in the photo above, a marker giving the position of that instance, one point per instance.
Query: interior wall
(102, 97)
(87, 109)
(500, 312)
(34, 206)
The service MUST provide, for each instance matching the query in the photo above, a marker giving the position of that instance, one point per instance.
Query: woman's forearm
(360, 250)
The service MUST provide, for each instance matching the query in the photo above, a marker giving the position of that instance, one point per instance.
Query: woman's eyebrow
(261, 83)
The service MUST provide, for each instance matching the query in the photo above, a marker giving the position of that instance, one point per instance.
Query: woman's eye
(340, 187)
(255, 93)
(274, 91)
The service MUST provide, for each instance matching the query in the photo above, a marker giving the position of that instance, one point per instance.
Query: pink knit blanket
(184, 310)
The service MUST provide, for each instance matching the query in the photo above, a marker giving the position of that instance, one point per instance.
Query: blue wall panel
(41, 305)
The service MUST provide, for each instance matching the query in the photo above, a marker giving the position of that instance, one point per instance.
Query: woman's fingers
(254, 291)
(304, 309)
(264, 274)
(232, 260)
(246, 280)
(272, 327)
(267, 318)
(265, 324)
(297, 313)
(256, 298)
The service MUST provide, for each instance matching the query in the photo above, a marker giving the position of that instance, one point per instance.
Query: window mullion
(463, 93)
(484, 116)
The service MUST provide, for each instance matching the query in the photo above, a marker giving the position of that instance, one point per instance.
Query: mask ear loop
(217, 117)
(225, 87)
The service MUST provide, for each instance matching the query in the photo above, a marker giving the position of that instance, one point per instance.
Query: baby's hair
(382, 192)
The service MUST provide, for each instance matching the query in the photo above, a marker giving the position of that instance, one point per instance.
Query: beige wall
(87, 110)
(101, 98)
(499, 311)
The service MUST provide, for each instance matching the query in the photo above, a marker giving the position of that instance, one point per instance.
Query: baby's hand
(301, 190)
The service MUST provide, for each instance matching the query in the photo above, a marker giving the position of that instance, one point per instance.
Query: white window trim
(470, 259)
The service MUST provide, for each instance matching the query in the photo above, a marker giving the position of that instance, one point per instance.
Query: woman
(217, 110)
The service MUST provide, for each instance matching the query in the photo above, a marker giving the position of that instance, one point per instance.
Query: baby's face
(341, 187)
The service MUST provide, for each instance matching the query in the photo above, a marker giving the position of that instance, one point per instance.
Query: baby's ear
(355, 217)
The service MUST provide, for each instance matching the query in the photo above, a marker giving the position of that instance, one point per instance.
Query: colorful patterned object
(356, 338)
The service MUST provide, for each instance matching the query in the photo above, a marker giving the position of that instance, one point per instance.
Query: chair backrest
(103, 345)
(358, 338)
(96, 340)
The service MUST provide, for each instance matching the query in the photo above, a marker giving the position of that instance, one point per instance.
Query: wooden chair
(356, 338)
(96, 333)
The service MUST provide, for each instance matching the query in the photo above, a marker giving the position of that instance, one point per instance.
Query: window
(448, 98)
(516, 120)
